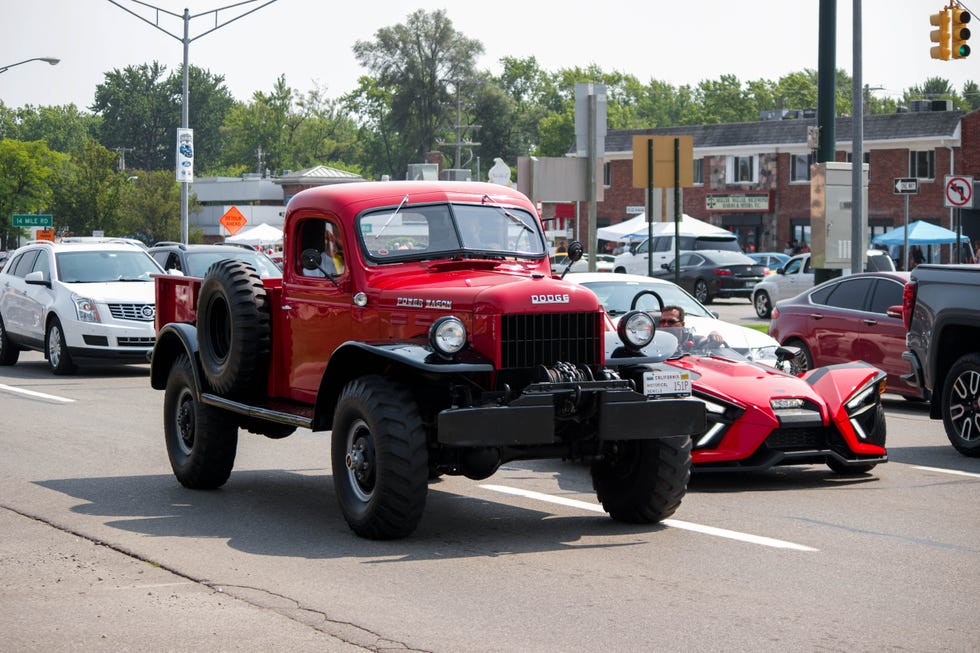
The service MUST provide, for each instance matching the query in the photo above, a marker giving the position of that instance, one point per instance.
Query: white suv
(92, 301)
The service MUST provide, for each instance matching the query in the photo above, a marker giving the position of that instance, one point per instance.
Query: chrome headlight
(85, 308)
(636, 329)
(447, 335)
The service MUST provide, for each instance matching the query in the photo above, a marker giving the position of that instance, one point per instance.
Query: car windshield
(694, 341)
(199, 262)
(617, 296)
(430, 231)
(105, 266)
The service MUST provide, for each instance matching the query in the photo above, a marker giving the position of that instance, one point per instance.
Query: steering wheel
(636, 299)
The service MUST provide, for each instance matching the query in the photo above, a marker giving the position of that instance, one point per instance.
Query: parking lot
(793, 559)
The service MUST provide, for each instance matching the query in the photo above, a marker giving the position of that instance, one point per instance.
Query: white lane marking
(674, 523)
(37, 395)
(946, 471)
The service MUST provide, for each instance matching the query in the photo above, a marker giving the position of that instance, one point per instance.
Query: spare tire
(233, 329)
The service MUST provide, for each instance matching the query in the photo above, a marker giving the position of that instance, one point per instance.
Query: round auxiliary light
(447, 335)
(636, 329)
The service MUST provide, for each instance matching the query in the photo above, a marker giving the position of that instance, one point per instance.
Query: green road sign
(33, 220)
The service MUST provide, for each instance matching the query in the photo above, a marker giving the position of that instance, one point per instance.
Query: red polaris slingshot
(759, 416)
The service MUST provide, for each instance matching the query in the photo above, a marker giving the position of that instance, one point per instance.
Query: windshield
(617, 296)
(105, 266)
(199, 262)
(450, 230)
(696, 341)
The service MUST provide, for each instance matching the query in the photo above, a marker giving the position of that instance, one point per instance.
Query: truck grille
(546, 338)
(138, 312)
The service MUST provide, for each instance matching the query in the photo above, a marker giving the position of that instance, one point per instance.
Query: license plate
(667, 381)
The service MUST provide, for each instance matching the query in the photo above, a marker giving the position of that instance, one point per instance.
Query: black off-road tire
(233, 329)
(201, 440)
(762, 304)
(56, 350)
(379, 457)
(643, 481)
(9, 352)
(960, 397)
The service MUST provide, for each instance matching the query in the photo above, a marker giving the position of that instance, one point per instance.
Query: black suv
(194, 260)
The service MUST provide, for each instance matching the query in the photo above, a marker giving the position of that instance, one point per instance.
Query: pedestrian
(915, 256)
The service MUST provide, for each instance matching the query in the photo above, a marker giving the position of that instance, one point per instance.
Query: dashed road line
(955, 472)
(35, 395)
(673, 523)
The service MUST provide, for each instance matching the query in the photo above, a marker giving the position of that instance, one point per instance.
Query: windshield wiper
(513, 218)
(133, 279)
(391, 217)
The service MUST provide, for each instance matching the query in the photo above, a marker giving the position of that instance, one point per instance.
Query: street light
(186, 40)
(50, 60)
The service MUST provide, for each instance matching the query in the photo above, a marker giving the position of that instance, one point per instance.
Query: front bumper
(616, 413)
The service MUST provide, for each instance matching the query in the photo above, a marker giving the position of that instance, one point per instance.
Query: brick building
(754, 178)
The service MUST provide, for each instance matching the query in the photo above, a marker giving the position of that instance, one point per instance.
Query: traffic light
(960, 33)
(941, 35)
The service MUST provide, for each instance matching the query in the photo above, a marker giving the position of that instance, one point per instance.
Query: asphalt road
(104, 550)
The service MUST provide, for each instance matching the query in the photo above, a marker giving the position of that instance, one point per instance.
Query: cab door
(316, 308)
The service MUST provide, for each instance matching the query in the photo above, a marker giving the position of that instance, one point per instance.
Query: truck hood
(487, 290)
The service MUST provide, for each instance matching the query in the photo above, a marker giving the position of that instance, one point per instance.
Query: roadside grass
(764, 328)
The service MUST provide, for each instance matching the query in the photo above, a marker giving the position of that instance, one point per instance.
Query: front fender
(173, 340)
(353, 359)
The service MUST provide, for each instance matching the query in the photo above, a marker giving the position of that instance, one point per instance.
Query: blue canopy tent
(920, 233)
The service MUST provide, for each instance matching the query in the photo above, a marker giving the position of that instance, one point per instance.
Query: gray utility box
(831, 215)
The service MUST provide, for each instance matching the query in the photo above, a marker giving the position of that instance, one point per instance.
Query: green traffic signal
(960, 33)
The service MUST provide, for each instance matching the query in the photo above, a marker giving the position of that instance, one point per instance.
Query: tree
(971, 95)
(416, 62)
(27, 171)
(150, 206)
(141, 112)
(63, 128)
(86, 195)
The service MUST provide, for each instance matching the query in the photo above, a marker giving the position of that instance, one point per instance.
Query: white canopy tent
(636, 229)
(263, 234)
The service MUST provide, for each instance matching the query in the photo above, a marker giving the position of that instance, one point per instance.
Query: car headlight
(636, 329)
(864, 408)
(85, 308)
(767, 353)
(447, 335)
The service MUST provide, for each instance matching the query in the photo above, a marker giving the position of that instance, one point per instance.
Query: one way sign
(906, 186)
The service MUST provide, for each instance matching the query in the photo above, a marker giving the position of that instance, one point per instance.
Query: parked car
(711, 274)
(796, 275)
(616, 292)
(661, 250)
(603, 263)
(857, 317)
(772, 260)
(194, 260)
(78, 302)
(758, 416)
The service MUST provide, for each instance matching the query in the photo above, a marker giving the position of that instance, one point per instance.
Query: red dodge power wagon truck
(419, 322)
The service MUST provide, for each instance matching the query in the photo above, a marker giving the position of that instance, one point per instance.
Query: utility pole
(186, 40)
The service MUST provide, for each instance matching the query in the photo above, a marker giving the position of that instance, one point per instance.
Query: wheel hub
(360, 460)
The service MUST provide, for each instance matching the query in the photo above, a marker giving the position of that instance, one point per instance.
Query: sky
(310, 41)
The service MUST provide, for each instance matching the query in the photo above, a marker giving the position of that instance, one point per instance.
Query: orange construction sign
(233, 220)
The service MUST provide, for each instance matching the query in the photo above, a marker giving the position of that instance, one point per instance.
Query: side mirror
(36, 278)
(894, 311)
(310, 259)
(575, 251)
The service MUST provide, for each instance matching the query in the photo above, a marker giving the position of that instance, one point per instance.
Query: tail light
(908, 303)
(722, 272)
